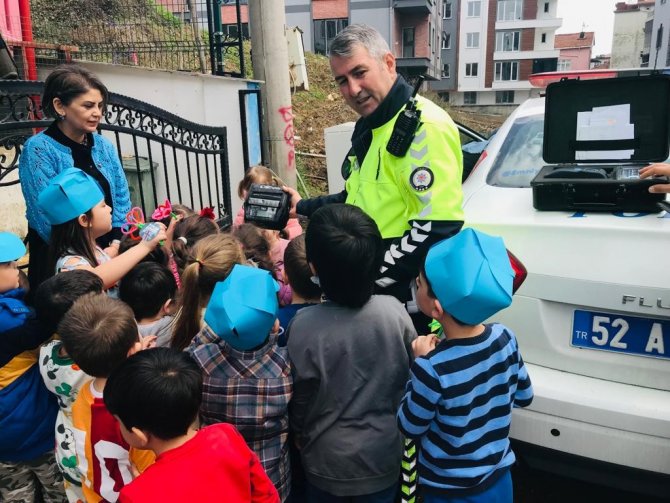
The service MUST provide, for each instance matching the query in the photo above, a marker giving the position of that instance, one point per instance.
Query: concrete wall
(661, 17)
(376, 13)
(299, 13)
(628, 38)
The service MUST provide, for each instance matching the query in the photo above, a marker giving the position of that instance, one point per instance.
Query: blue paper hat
(11, 247)
(471, 275)
(68, 195)
(243, 308)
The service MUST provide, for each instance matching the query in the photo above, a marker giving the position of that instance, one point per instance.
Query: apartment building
(659, 54)
(499, 44)
(630, 40)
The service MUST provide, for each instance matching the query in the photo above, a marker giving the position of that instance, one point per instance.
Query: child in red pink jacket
(155, 395)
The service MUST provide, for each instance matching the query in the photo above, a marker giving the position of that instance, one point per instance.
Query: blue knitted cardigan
(42, 158)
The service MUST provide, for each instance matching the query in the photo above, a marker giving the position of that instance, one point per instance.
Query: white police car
(592, 318)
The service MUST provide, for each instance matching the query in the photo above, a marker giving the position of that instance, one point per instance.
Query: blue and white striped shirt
(459, 403)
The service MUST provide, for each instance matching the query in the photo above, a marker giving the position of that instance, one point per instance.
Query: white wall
(472, 55)
(628, 38)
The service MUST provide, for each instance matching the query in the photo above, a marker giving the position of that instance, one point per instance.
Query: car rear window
(520, 156)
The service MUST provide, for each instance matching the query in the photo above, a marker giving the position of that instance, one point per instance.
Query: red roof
(574, 40)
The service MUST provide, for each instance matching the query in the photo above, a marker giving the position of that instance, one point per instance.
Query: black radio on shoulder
(267, 206)
(405, 126)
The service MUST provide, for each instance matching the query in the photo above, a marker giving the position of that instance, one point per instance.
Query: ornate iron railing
(164, 156)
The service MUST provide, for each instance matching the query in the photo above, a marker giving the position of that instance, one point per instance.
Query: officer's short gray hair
(344, 43)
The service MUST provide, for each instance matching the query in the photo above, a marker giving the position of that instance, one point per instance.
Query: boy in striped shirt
(459, 399)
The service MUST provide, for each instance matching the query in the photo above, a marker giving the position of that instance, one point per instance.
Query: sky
(595, 15)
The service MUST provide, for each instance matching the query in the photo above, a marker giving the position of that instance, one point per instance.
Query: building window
(324, 33)
(544, 38)
(504, 97)
(510, 10)
(507, 70)
(472, 40)
(563, 65)
(546, 6)
(446, 9)
(230, 31)
(471, 69)
(446, 71)
(408, 42)
(446, 40)
(474, 9)
(470, 98)
(507, 41)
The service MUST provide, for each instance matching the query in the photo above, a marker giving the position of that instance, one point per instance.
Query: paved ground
(533, 486)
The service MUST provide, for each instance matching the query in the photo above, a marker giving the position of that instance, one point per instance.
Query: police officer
(416, 199)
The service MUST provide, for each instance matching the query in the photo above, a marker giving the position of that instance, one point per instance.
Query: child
(149, 289)
(350, 357)
(258, 250)
(60, 374)
(247, 376)
(461, 392)
(156, 396)
(27, 409)
(99, 333)
(187, 232)
(261, 174)
(75, 207)
(297, 273)
(211, 260)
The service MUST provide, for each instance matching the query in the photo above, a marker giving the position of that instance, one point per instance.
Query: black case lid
(649, 100)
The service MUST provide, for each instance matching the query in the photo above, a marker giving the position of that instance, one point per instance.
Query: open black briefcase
(598, 134)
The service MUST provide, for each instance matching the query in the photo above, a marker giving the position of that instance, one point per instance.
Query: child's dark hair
(297, 269)
(98, 332)
(71, 238)
(187, 232)
(158, 391)
(55, 296)
(66, 82)
(345, 247)
(157, 255)
(146, 288)
(255, 245)
(431, 292)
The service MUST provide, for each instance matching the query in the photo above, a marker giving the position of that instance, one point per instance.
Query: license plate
(621, 334)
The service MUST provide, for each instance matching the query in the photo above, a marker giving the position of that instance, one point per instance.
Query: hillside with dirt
(323, 106)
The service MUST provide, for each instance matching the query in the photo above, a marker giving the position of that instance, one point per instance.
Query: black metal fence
(164, 156)
(202, 36)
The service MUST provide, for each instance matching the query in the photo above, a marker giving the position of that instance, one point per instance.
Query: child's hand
(161, 236)
(169, 233)
(148, 341)
(424, 344)
(658, 169)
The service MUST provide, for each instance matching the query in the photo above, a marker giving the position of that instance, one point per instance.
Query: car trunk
(600, 264)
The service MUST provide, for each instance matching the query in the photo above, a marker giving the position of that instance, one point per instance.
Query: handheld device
(405, 125)
(267, 206)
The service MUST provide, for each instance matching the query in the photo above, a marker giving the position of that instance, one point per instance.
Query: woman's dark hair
(71, 238)
(187, 232)
(255, 245)
(158, 391)
(345, 247)
(66, 82)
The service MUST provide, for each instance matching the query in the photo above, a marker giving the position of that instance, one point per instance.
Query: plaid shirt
(251, 390)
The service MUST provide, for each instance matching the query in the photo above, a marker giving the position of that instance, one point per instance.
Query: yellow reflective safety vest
(425, 184)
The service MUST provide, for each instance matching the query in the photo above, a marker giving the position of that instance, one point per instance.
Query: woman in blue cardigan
(76, 99)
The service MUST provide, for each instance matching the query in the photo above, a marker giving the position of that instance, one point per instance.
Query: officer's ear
(389, 62)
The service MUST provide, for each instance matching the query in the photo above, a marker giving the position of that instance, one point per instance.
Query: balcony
(414, 6)
(514, 55)
(416, 66)
(518, 24)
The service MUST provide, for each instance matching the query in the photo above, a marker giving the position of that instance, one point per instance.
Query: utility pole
(270, 63)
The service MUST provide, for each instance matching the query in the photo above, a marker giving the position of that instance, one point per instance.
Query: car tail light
(520, 271)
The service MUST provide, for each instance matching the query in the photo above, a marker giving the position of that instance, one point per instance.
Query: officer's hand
(658, 169)
(295, 198)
